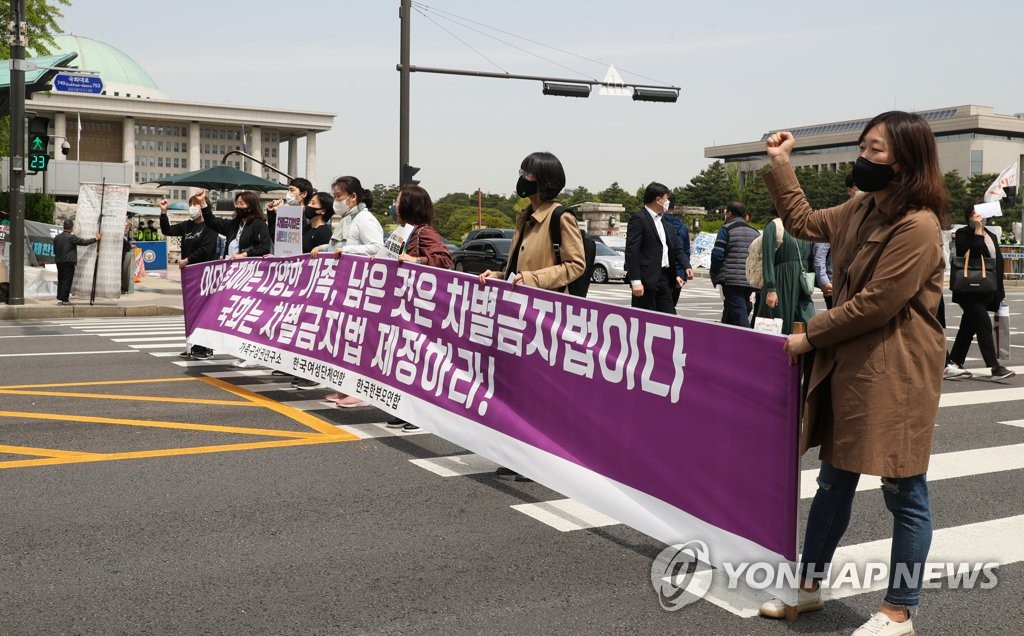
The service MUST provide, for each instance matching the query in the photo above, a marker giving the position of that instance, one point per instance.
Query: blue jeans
(737, 307)
(907, 500)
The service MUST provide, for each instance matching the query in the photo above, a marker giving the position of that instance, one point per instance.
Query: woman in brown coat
(878, 353)
(532, 261)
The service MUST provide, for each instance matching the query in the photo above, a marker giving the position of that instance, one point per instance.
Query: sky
(744, 67)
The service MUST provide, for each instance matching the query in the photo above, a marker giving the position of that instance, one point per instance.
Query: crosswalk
(963, 464)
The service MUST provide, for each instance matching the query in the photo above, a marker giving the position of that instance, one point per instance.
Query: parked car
(480, 255)
(617, 243)
(608, 265)
(489, 232)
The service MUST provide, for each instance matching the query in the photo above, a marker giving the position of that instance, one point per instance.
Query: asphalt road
(146, 495)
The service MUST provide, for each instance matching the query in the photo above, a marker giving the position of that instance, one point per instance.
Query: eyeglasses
(527, 175)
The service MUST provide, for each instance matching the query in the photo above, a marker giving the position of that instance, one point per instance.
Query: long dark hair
(414, 205)
(919, 185)
(353, 186)
(252, 201)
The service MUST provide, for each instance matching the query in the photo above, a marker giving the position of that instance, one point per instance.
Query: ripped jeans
(907, 500)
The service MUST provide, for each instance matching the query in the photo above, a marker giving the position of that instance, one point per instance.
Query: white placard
(395, 244)
(101, 208)
(288, 231)
(989, 210)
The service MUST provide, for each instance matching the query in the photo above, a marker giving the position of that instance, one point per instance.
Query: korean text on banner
(680, 428)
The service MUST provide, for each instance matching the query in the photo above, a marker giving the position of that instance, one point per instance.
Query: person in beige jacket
(532, 259)
(873, 392)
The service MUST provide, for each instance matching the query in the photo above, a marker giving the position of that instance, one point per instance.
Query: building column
(128, 138)
(60, 135)
(193, 146)
(311, 156)
(256, 150)
(293, 156)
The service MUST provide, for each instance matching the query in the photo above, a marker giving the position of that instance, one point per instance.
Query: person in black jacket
(247, 233)
(318, 211)
(65, 253)
(198, 245)
(198, 240)
(652, 254)
(981, 243)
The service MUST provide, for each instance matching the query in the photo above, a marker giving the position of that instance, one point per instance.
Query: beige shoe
(805, 602)
(882, 625)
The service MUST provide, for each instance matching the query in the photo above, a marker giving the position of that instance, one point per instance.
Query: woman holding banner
(873, 391)
(975, 242)
(423, 246)
(532, 260)
(358, 232)
(247, 233)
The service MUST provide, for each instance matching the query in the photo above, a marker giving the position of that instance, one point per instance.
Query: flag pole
(99, 226)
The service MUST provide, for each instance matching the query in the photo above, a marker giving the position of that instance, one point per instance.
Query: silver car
(608, 265)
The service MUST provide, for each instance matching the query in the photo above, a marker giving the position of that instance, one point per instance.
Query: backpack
(754, 269)
(581, 285)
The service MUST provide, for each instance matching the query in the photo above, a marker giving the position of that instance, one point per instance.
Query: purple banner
(700, 416)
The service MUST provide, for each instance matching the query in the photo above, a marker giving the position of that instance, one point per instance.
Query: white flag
(1006, 179)
(78, 139)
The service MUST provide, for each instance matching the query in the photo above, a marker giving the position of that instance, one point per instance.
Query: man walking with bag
(729, 264)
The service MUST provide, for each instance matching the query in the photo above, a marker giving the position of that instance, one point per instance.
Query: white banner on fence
(101, 208)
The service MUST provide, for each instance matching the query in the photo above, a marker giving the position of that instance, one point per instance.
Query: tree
(956, 188)
(579, 195)
(461, 220)
(824, 189)
(384, 196)
(615, 194)
(755, 196)
(711, 189)
(976, 187)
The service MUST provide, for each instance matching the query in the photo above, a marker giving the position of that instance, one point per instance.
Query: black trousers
(660, 298)
(65, 276)
(975, 322)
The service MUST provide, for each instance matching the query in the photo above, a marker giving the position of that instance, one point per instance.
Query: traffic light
(407, 175)
(38, 144)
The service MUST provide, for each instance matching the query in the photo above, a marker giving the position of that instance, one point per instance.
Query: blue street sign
(74, 83)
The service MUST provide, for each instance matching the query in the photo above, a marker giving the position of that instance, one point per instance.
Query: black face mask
(870, 176)
(525, 188)
(309, 212)
(242, 213)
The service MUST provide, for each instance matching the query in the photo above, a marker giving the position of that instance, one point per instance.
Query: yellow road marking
(169, 452)
(100, 383)
(292, 413)
(136, 398)
(157, 424)
(44, 452)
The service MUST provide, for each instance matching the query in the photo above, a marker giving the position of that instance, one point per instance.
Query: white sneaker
(805, 602)
(955, 372)
(243, 363)
(882, 625)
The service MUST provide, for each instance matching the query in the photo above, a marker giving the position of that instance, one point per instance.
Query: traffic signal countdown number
(38, 151)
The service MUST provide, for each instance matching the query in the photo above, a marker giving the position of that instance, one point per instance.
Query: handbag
(978, 277)
(807, 279)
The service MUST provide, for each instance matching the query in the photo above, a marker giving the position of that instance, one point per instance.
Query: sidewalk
(159, 294)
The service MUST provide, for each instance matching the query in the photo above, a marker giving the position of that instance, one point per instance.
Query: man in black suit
(652, 253)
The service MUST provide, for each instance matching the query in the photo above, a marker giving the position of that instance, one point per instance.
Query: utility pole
(405, 13)
(17, 39)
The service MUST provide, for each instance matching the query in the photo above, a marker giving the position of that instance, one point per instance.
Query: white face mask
(291, 198)
(195, 212)
(665, 206)
(342, 207)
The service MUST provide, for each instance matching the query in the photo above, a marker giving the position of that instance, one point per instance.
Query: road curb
(30, 312)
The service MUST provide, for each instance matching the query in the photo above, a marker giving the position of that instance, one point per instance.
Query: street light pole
(405, 13)
(17, 39)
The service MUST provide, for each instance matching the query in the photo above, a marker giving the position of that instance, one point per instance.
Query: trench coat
(873, 392)
(537, 261)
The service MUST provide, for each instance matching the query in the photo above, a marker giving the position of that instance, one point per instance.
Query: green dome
(120, 73)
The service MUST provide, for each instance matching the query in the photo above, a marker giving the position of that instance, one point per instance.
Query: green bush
(38, 207)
